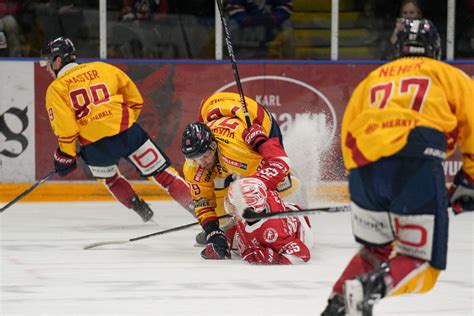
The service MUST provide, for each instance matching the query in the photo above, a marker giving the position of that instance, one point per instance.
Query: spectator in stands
(465, 43)
(465, 29)
(266, 23)
(10, 43)
(45, 19)
(410, 9)
(136, 16)
(143, 9)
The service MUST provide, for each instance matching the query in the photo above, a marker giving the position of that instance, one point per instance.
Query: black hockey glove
(461, 193)
(63, 163)
(217, 246)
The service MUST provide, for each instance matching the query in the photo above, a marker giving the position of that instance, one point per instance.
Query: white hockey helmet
(248, 192)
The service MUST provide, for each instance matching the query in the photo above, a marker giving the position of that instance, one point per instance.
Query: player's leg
(418, 215)
(153, 164)
(102, 158)
(366, 260)
(170, 180)
(371, 227)
(420, 221)
(121, 189)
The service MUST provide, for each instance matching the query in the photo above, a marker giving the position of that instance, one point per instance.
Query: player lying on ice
(266, 241)
(220, 146)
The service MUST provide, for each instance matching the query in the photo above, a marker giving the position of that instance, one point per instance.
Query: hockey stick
(230, 51)
(251, 215)
(118, 242)
(34, 186)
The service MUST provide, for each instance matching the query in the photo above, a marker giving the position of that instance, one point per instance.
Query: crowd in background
(185, 29)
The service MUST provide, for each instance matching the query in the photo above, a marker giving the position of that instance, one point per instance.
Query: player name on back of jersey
(82, 77)
(395, 70)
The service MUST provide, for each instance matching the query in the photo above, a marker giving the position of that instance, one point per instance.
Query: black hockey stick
(118, 242)
(249, 214)
(34, 186)
(230, 51)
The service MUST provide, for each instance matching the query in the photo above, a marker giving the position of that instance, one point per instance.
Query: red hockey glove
(260, 255)
(254, 136)
(272, 172)
(63, 163)
(217, 246)
(461, 193)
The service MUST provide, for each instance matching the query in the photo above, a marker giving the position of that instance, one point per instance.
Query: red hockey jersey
(290, 239)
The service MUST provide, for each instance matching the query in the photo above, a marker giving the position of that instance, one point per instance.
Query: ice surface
(45, 271)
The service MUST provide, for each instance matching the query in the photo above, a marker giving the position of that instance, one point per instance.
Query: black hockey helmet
(62, 47)
(419, 37)
(197, 139)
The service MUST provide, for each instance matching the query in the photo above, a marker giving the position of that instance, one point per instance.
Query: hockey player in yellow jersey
(400, 124)
(95, 106)
(219, 148)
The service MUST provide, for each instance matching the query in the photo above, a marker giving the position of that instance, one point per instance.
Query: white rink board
(17, 122)
(44, 270)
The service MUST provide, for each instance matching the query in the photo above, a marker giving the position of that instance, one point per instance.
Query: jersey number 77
(380, 94)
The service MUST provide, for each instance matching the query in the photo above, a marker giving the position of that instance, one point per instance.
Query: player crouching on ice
(266, 241)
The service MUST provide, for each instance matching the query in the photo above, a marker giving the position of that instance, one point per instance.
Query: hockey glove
(260, 255)
(63, 163)
(254, 136)
(217, 246)
(461, 193)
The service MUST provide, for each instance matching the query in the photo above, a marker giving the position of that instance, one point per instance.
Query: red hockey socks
(120, 189)
(170, 180)
(365, 260)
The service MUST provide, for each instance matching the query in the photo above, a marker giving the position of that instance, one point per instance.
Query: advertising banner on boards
(17, 122)
(173, 92)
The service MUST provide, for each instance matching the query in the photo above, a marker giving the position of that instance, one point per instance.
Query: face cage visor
(46, 58)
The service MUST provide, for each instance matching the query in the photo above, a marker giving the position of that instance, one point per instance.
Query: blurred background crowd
(261, 29)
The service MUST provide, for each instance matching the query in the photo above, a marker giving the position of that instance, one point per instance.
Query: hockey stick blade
(103, 243)
(248, 214)
(118, 242)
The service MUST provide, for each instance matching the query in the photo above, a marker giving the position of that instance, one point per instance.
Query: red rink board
(173, 92)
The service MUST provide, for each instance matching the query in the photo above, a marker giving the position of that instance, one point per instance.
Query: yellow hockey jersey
(404, 94)
(228, 104)
(234, 157)
(90, 101)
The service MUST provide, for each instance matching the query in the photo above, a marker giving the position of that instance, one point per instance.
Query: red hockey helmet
(248, 192)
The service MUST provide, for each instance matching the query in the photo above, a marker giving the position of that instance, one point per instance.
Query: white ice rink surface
(45, 271)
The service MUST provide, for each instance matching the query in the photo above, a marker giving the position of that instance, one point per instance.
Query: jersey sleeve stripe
(357, 155)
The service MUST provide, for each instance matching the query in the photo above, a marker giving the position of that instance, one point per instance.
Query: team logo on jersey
(234, 163)
(270, 235)
(198, 174)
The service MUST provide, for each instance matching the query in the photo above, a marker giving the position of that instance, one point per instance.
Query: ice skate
(142, 209)
(361, 293)
(335, 307)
